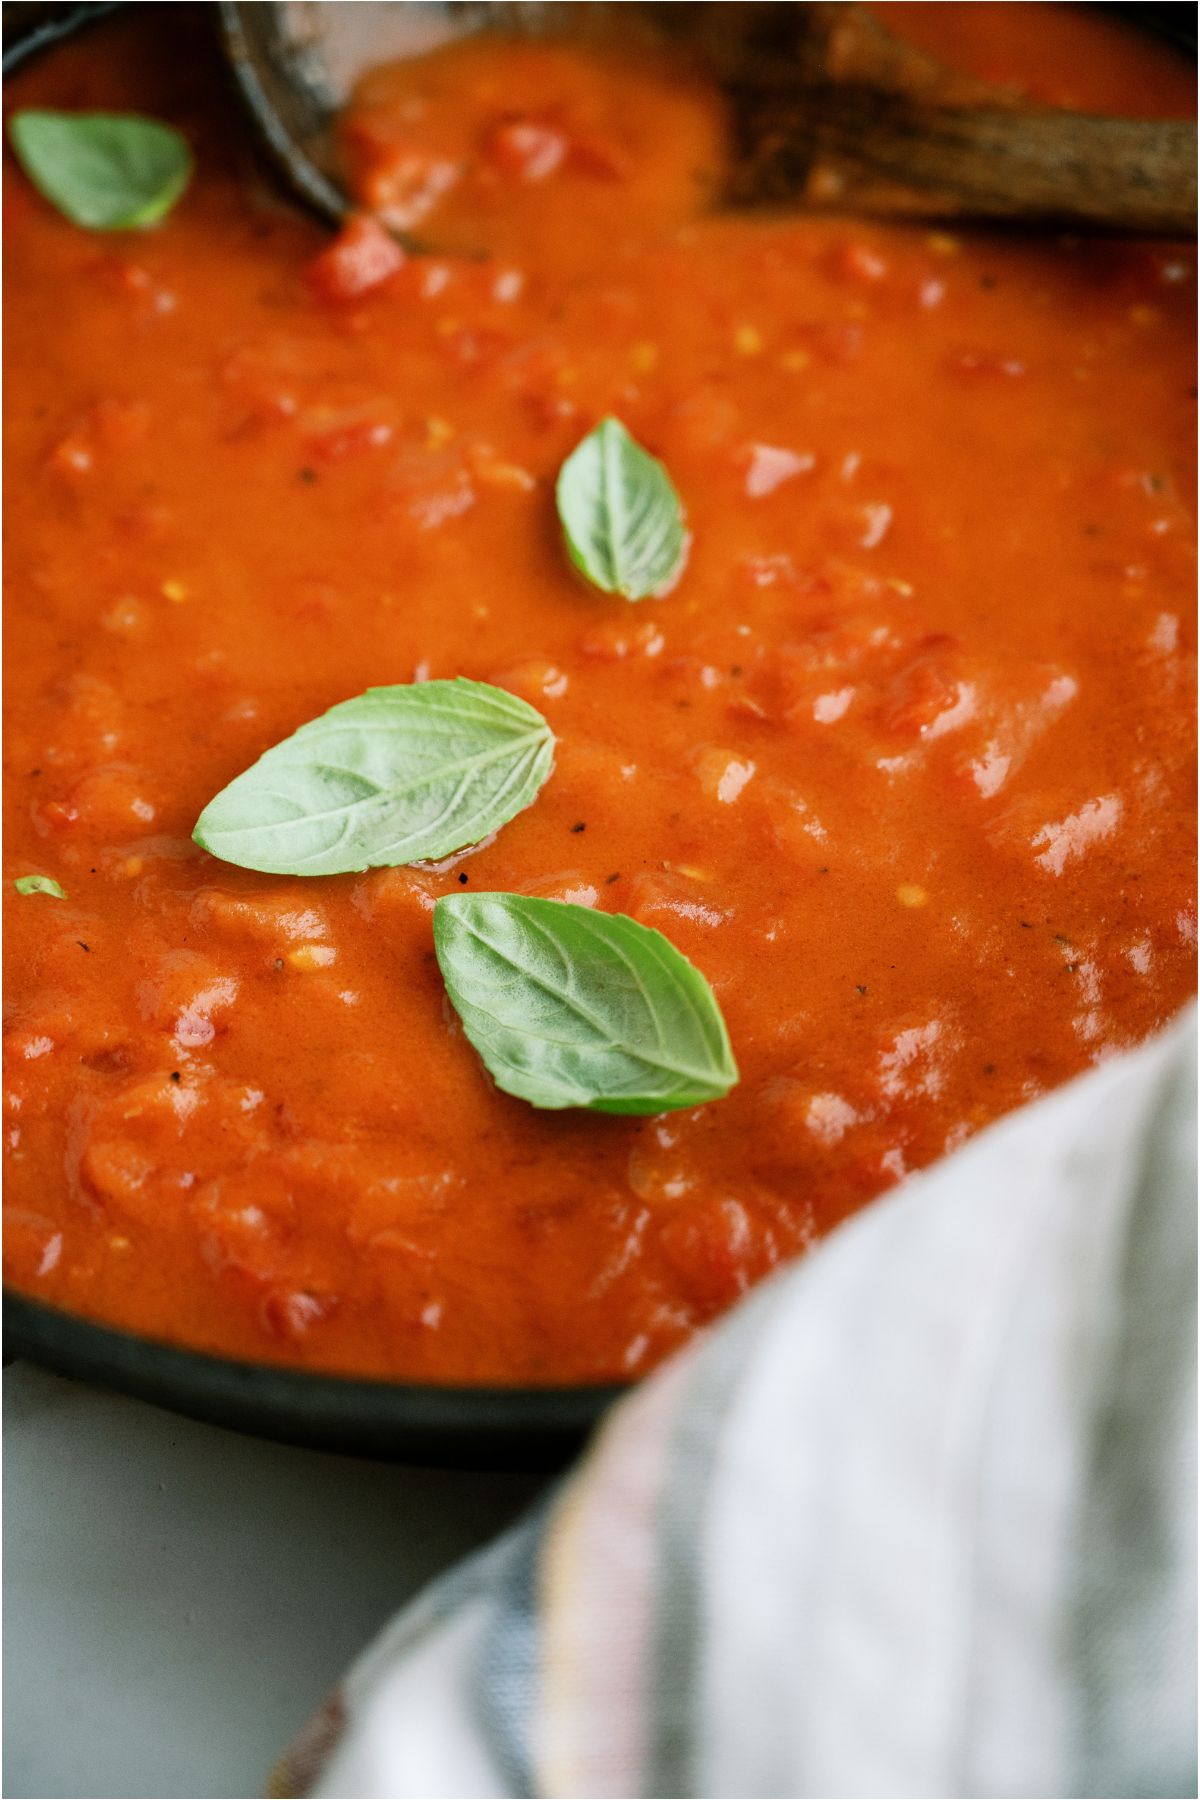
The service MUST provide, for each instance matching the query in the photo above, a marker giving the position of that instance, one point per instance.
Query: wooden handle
(1129, 175)
(832, 110)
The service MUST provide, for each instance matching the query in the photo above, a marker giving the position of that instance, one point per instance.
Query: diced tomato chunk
(716, 1250)
(291, 1315)
(600, 157)
(360, 257)
(922, 692)
(526, 149)
(857, 262)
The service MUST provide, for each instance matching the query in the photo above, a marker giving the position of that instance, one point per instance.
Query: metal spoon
(828, 109)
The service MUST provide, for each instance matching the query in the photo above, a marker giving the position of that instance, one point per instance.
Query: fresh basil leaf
(397, 775)
(39, 884)
(105, 171)
(622, 518)
(570, 1007)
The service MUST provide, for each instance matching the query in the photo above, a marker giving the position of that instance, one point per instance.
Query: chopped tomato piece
(594, 155)
(526, 149)
(716, 1249)
(360, 257)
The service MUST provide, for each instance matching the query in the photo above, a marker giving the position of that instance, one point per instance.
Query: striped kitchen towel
(918, 1518)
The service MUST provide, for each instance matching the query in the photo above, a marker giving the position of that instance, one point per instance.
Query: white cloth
(917, 1519)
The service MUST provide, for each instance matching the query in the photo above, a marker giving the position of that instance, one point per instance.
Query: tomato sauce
(903, 763)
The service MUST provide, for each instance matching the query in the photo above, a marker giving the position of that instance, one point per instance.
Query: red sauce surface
(904, 763)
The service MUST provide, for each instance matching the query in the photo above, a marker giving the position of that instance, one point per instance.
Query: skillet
(474, 1427)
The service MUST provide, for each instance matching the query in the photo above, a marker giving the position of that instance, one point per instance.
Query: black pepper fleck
(82, 945)
(308, 475)
(582, 826)
(611, 878)
(859, 988)
(464, 878)
(175, 1075)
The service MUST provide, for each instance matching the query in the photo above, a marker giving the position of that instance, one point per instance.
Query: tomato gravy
(903, 763)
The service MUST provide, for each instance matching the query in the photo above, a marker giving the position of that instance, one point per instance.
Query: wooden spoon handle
(1131, 175)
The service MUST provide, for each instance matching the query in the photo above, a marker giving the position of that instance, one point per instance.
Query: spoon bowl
(827, 109)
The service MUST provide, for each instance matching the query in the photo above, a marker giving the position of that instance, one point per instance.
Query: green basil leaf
(105, 171)
(570, 1007)
(397, 775)
(622, 518)
(39, 884)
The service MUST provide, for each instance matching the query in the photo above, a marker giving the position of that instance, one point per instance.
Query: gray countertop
(177, 1598)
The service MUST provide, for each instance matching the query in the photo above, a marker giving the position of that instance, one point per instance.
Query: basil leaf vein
(621, 517)
(571, 1007)
(39, 884)
(104, 171)
(397, 775)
